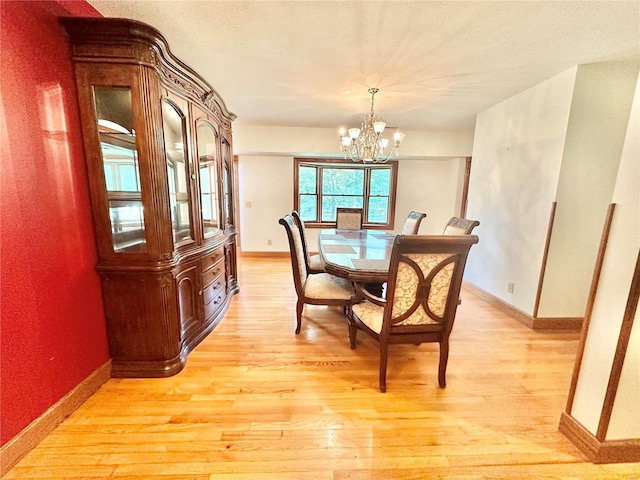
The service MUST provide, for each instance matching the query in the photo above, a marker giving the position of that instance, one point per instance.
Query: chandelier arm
(368, 145)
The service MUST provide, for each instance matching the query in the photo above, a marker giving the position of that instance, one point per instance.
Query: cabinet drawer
(212, 258)
(209, 275)
(213, 296)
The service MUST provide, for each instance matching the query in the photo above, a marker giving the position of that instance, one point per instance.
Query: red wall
(52, 326)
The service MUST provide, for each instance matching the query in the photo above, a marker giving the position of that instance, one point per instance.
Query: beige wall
(600, 107)
(558, 141)
(610, 302)
(517, 154)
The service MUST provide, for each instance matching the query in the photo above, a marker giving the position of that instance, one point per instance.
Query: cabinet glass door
(173, 124)
(121, 168)
(207, 146)
(227, 184)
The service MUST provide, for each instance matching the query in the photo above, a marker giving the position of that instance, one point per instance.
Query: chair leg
(353, 332)
(442, 368)
(299, 307)
(383, 366)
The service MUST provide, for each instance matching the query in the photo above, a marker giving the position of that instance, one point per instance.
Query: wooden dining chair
(412, 223)
(314, 288)
(349, 218)
(425, 277)
(460, 226)
(313, 262)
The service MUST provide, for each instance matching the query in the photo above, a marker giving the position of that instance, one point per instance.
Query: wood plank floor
(256, 401)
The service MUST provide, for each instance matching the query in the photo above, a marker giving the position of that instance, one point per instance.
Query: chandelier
(365, 144)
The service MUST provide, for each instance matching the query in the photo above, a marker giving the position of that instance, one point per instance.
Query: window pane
(307, 180)
(324, 185)
(378, 208)
(128, 178)
(380, 181)
(108, 176)
(308, 207)
(342, 181)
(331, 202)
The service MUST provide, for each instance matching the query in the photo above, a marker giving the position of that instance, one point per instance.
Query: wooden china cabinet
(158, 147)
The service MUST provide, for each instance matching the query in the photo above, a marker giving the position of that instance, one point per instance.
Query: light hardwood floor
(256, 401)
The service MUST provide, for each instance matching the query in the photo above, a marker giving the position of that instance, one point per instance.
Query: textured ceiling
(437, 64)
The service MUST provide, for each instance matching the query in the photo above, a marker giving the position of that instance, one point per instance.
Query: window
(323, 185)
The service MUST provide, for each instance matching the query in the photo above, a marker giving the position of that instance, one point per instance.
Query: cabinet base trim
(16, 448)
(148, 368)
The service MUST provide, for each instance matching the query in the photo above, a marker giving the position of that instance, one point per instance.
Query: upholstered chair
(349, 218)
(460, 226)
(425, 277)
(412, 223)
(314, 264)
(313, 288)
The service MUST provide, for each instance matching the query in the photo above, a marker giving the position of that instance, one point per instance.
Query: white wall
(266, 194)
(431, 187)
(610, 302)
(598, 121)
(517, 154)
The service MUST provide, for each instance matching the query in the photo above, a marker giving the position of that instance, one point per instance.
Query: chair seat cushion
(327, 286)
(370, 314)
(315, 263)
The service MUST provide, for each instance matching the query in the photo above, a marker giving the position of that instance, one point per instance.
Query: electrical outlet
(510, 287)
(269, 242)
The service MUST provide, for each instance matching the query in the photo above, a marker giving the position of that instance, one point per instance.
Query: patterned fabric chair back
(460, 226)
(425, 278)
(297, 252)
(412, 223)
(422, 287)
(349, 218)
(300, 224)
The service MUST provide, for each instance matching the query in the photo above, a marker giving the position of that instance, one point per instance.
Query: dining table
(357, 255)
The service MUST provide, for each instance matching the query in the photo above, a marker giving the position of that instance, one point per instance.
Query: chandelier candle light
(366, 144)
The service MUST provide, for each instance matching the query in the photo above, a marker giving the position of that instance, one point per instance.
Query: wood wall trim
(596, 451)
(16, 448)
(236, 201)
(542, 323)
(558, 323)
(621, 352)
(590, 302)
(465, 187)
(545, 257)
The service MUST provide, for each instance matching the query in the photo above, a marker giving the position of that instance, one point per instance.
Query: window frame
(367, 167)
